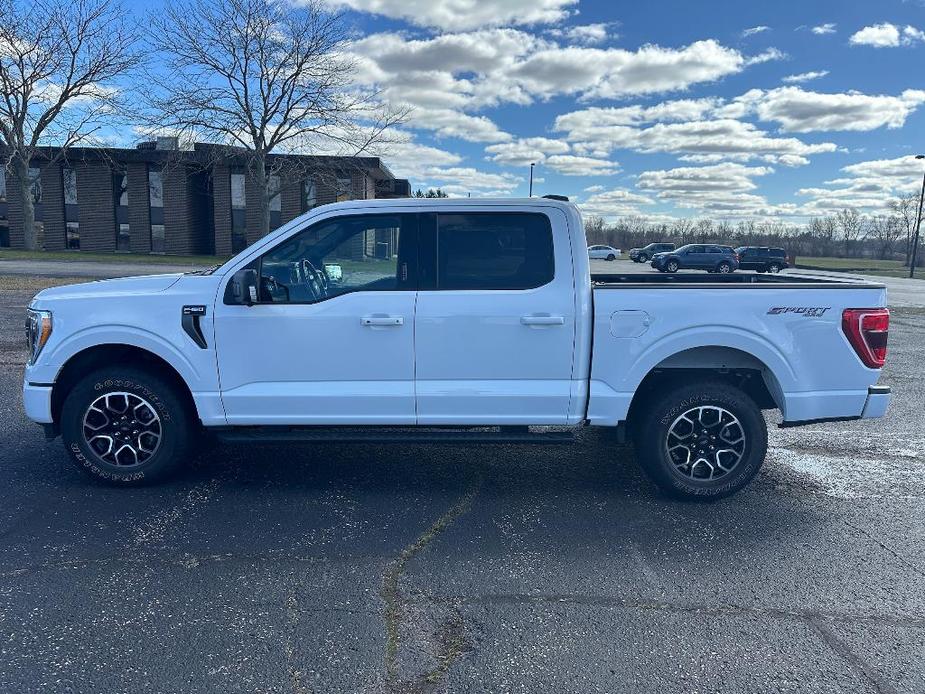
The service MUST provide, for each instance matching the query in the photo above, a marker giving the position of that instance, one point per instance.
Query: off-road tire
(176, 423)
(651, 439)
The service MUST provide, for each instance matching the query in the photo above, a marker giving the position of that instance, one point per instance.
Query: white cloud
(877, 35)
(409, 159)
(867, 185)
(822, 29)
(525, 151)
(805, 76)
(911, 34)
(802, 111)
(455, 15)
(618, 202)
(755, 30)
(709, 138)
(767, 56)
(724, 189)
(464, 180)
(448, 123)
(473, 70)
(585, 34)
(573, 165)
(887, 35)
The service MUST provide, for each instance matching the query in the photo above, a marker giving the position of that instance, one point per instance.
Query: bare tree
(886, 230)
(905, 208)
(851, 225)
(60, 62)
(263, 75)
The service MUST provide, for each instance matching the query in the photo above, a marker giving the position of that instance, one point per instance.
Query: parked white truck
(448, 321)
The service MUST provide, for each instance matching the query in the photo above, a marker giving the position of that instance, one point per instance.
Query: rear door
(495, 318)
(694, 257)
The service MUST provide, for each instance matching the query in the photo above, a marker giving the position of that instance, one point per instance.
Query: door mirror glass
(244, 287)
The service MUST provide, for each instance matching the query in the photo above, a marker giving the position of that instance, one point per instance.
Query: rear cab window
(493, 250)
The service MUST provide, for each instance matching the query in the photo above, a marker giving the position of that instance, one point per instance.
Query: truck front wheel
(701, 441)
(127, 425)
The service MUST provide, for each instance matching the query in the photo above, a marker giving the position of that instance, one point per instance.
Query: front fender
(56, 355)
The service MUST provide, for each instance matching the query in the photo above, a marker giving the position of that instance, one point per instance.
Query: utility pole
(531, 179)
(918, 223)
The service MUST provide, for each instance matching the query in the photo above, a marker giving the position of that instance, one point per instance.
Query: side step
(369, 434)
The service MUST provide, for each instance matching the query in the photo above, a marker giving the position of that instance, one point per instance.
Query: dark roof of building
(206, 154)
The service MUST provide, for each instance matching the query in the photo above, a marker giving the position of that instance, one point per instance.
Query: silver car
(603, 253)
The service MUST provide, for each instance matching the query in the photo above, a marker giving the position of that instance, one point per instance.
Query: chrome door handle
(385, 321)
(542, 320)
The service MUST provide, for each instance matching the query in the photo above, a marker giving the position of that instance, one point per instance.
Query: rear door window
(488, 250)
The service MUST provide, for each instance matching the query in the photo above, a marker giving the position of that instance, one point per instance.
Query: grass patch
(862, 266)
(22, 283)
(140, 258)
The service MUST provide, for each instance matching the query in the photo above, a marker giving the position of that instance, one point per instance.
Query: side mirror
(244, 287)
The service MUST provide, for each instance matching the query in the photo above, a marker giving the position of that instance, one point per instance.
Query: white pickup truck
(450, 321)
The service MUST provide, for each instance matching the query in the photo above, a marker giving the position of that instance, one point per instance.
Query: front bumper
(37, 402)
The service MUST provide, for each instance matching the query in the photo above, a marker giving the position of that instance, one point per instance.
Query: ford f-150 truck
(448, 321)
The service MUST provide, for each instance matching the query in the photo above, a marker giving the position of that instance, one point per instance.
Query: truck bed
(737, 279)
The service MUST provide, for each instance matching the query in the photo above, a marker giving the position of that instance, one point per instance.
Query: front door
(495, 319)
(331, 338)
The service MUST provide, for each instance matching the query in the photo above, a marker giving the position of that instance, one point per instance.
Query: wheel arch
(92, 358)
(735, 365)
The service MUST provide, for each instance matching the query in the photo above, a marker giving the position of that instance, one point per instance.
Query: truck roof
(449, 202)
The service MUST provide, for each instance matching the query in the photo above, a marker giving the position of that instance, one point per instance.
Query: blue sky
(720, 108)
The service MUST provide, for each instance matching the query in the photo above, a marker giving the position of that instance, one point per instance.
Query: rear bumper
(875, 405)
(878, 400)
(37, 402)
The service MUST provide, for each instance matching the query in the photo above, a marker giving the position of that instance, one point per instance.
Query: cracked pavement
(468, 569)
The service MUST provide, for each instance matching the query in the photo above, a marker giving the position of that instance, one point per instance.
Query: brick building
(160, 199)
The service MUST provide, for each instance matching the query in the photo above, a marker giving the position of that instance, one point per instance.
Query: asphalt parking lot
(498, 569)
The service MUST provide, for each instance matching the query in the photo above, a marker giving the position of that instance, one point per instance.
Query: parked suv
(644, 254)
(762, 258)
(698, 256)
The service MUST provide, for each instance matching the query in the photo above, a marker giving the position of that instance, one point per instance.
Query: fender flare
(147, 340)
(753, 344)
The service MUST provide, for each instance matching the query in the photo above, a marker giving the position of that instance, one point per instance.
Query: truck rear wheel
(701, 441)
(127, 426)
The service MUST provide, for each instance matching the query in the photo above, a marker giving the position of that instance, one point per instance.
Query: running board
(281, 434)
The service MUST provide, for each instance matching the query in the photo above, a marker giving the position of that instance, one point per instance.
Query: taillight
(867, 330)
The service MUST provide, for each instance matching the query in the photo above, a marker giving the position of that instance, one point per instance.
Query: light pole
(918, 223)
(531, 179)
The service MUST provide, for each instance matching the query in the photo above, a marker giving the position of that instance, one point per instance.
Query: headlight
(38, 330)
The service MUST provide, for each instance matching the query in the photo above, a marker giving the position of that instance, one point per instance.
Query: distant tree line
(845, 234)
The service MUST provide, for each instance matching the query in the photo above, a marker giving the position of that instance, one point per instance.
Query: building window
(344, 190)
(72, 235)
(156, 202)
(276, 202)
(309, 195)
(156, 187)
(71, 209)
(4, 223)
(35, 175)
(69, 178)
(124, 239)
(238, 212)
(158, 239)
(120, 196)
